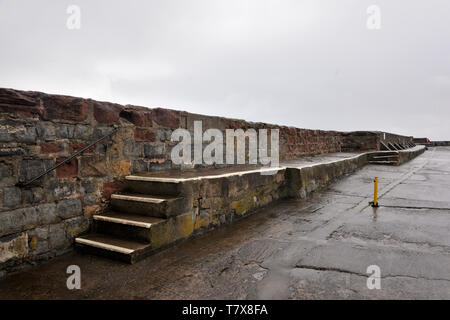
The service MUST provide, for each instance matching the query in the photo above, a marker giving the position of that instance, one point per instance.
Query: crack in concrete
(333, 269)
(372, 244)
(417, 208)
(311, 267)
(422, 246)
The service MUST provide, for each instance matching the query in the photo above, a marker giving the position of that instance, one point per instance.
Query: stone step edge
(105, 246)
(382, 162)
(142, 198)
(128, 222)
(387, 156)
(216, 176)
(240, 173)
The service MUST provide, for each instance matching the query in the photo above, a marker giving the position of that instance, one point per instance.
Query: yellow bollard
(375, 192)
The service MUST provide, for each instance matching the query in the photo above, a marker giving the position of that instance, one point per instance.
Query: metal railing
(24, 184)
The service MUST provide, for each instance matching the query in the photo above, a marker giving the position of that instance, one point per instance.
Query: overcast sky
(309, 64)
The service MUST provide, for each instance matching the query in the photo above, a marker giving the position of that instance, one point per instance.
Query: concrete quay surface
(318, 248)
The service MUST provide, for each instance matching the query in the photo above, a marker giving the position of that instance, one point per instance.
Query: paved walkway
(314, 249)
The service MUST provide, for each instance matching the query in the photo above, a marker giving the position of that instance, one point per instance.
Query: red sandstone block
(49, 147)
(22, 102)
(143, 135)
(68, 169)
(111, 187)
(292, 131)
(64, 108)
(139, 116)
(107, 113)
(166, 118)
(74, 147)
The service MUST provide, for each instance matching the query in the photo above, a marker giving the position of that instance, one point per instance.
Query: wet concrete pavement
(314, 249)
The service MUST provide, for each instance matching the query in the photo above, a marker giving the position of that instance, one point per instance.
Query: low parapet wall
(38, 130)
(406, 155)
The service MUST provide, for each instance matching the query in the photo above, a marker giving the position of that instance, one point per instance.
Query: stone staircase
(384, 157)
(127, 230)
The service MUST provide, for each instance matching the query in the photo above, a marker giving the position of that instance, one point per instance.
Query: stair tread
(128, 219)
(111, 243)
(384, 157)
(142, 197)
(385, 152)
(201, 174)
(382, 161)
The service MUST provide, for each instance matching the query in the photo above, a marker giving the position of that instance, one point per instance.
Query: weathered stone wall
(38, 130)
(370, 140)
(219, 201)
(387, 137)
(359, 140)
(294, 142)
(407, 155)
(439, 143)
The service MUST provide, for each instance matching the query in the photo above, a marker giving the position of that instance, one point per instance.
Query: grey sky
(310, 64)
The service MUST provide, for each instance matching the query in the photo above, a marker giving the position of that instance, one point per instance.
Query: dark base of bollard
(373, 205)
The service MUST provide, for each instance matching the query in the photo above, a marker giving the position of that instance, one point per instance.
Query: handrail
(23, 184)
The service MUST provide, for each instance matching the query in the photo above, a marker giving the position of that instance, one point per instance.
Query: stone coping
(204, 174)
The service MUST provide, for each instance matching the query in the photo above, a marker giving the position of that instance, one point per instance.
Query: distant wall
(421, 140)
(370, 140)
(38, 130)
(427, 142)
(440, 143)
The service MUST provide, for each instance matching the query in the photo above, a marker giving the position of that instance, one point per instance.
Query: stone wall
(370, 140)
(387, 137)
(421, 140)
(441, 143)
(38, 130)
(218, 201)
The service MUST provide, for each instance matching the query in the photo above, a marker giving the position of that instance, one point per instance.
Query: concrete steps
(112, 247)
(127, 226)
(125, 231)
(148, 205)
(153, 186)
(393, 163)
(384, 158)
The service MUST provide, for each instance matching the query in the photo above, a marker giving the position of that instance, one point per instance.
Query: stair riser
(123, 231)
(159, 210)
(385, 164)
(390, 158)
(128, 258)
(383, 154)
(154, 188)
(84, 248)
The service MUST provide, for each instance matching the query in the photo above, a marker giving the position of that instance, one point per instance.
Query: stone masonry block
(18, 220)
(12, 197)
(47, 214)
(68, 169)
(69, 208)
